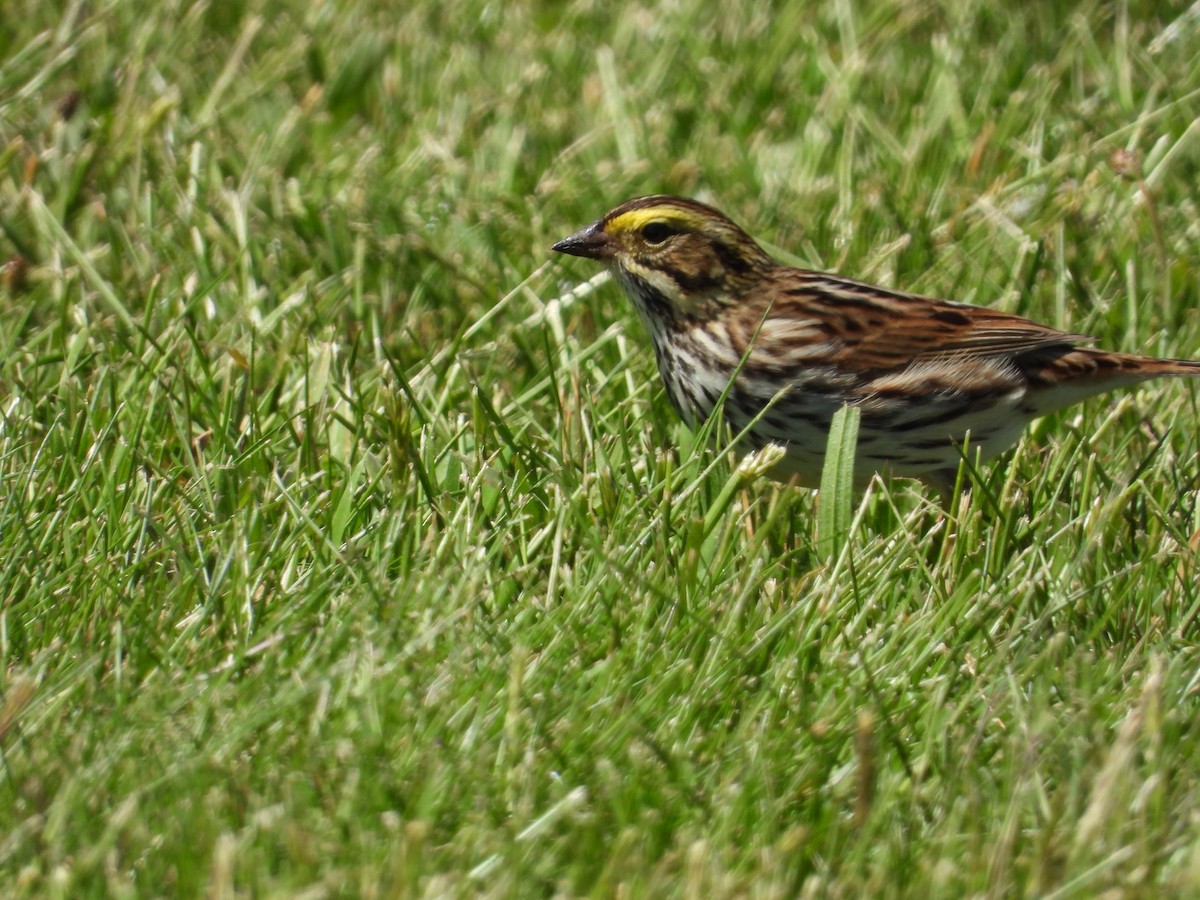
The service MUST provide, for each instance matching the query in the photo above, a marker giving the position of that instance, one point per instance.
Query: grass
(348, 546)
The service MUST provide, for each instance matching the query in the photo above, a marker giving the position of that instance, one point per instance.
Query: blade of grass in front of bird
(836, 497)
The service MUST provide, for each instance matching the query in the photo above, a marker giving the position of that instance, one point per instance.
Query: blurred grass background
(348, 549)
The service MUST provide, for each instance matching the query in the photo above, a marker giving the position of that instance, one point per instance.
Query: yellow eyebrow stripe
(636, 218)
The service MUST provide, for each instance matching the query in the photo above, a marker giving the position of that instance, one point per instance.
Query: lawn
(349, 545)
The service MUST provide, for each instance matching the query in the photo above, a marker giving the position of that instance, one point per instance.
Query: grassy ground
(345, 550)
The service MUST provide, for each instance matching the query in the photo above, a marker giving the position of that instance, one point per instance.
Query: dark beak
(591, 243)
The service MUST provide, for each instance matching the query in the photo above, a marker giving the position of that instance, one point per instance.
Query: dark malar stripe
(658, 305)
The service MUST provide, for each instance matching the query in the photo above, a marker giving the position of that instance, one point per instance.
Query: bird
(781, 349)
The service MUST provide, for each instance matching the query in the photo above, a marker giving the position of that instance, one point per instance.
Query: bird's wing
(879, 329)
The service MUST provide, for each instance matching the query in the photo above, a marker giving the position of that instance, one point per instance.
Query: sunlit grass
(348, 545)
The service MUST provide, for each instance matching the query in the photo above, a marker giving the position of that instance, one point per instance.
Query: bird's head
(673, 251)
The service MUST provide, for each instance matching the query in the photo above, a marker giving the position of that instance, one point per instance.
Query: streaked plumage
(923, 372)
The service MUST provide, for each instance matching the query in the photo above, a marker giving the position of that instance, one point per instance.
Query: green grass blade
(836, 499)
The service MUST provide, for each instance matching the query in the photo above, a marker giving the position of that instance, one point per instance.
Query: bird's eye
(657, 232)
